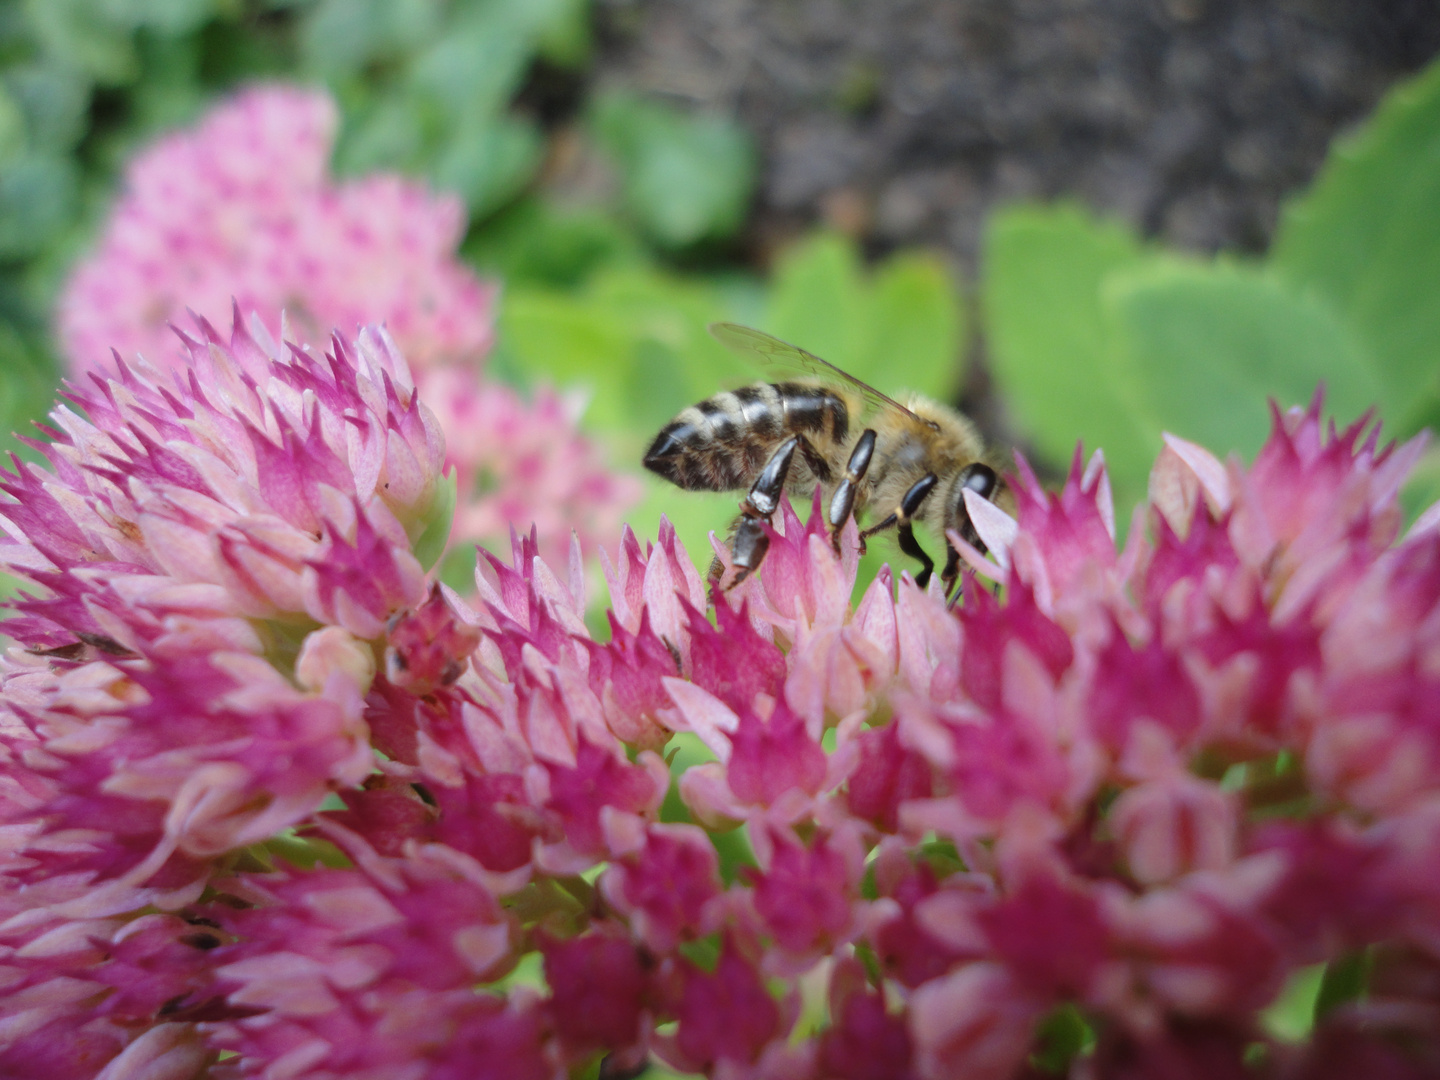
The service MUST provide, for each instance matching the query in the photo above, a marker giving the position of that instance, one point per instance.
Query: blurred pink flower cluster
(277, 806)
(241, 211)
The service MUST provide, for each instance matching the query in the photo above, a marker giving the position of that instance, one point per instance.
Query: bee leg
(909, 506)
(763, 499)
(951, 573)
(890, 522)
(843, 501)
(819, 467)
(902, 517)
(910, 546)
(749, 549)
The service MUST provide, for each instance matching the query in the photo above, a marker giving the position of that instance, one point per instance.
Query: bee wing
(772, 352)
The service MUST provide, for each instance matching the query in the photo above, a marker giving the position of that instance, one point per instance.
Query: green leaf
(304, 853)
(341, 36)
(571, 343)
(817, 301)
(536, 242)
(532, 18)
(693, 184)
(1061, 1037)
(1049, 341)
(28, 388)
(1291, 1016)
(468, 71)
(1207, 345)
(1346, 979)
(656, 1071)
(12, 129)
(430, 544)
(1366, 239)
(433, 98)
(488, 162)
(78, 34)
(901, 329)
(916, 328)
(686, 178)
(564, 38)
(37, 200)
(169, 94)
(636, 341)
(168, 17)
(397, 131)
(703, 952)
(669, 317)
(1422, 490)
(55, 100)
(475, 67)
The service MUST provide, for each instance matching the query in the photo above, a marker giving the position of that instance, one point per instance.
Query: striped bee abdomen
(722, 443)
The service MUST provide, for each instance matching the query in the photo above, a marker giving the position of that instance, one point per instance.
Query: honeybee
(913, 462)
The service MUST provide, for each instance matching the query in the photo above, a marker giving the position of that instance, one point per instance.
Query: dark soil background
(907, 121)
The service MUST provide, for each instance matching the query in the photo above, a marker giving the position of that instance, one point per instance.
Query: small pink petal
(702, 714)
(1104, 497)
(997, 528)
(1206, 468)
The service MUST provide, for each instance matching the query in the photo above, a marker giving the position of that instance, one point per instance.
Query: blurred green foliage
(686, 179)
(535, 242)
(1366, 242)
(1291, 1016)
(1098, 337)
(426, 86)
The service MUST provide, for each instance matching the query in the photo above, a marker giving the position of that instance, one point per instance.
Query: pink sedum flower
(345, 971)
(1093, 824)
(203, 557)
(526, 463)
(241, 212)
(242, 209)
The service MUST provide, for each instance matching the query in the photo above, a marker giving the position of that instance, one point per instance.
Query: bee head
(982, 480)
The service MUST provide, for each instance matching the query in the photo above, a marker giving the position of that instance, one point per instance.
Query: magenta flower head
(206, 557)
(241, 210)
(277, 805)
(525, 462)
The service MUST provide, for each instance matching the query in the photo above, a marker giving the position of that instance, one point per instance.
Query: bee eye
(980, 479)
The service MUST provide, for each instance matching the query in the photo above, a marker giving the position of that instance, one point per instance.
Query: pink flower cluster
(206, 562)
(276, 806)
(241, 211)
(521, 462)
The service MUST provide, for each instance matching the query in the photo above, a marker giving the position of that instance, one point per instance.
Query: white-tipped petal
(1208, 469)
(1427, 521)
(997, 528)
(702, 714)
(1104, 496)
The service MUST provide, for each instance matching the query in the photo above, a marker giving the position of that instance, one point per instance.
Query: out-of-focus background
(1078, 219)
